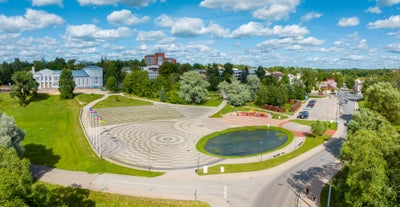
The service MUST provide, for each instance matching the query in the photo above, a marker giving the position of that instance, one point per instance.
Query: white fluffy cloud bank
(125, 17)
(32, 20)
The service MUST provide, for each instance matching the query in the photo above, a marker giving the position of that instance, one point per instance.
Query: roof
(75, 73)
(92, 67)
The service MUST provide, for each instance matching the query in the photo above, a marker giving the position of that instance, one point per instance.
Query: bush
(319, 127)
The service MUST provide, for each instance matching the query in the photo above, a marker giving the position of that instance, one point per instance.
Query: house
(89, 77)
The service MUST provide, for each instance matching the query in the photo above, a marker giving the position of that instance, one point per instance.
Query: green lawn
(54, 136)
(120, 101)
(83, 197)
(309, 144)
(84, 99)
(331, 125)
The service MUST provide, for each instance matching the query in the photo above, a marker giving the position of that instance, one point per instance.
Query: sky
(290, 33)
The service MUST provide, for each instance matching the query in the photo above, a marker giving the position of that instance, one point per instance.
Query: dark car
(303, 115)
(311, 103)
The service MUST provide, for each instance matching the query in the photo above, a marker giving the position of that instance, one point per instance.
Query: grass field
(82, 197)
(332, 125)
(54, 136)
(120, 101)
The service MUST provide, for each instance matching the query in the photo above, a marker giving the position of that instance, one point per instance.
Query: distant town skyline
(299, 33)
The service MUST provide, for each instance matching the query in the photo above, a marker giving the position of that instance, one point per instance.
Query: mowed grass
(80, 197)
(120, 101)
(309, 144)
(54, 136)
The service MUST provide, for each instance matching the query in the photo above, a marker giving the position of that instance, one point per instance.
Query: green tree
(193, 87)
(254, 85)
(24, 87)
(167, 69)
(15, 179)
(10, 134)
(162, 95)
(384, 99)
(260, 72)
(309, 79)
(319, 127)
(112, 84)
(272, 95)
(236, 92)
(66, 85)
(138, 83)
(245, 73)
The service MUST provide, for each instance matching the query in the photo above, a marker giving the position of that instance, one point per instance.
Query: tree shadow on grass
(42, 159)
(72, 195)
(39, 97)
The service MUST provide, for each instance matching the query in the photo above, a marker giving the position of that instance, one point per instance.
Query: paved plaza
(163, 136)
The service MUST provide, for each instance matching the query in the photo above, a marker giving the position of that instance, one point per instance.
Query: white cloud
(46, 2)
(310, 15)
(150, 36)
(188, 27)
(91, 32)
(258, 29)
(262, 9)
(32, 20)
(134, 3)
(348, 22)
(394, 47)
(125, 17)
(374, 10)
(387, 2)
(291, 43)
(392, 23)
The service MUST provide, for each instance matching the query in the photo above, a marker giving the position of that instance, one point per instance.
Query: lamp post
(330, 188)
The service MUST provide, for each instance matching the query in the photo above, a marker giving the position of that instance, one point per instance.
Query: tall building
(158, 59)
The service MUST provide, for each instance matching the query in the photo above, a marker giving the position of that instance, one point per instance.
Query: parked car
(311, 103)
(303, 115)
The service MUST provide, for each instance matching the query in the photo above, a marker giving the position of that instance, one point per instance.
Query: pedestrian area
(163, 136)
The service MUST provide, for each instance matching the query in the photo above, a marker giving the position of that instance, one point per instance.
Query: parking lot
(324, 109)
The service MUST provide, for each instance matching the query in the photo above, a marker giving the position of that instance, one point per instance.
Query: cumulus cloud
(125, 17)
(258, 29)
(46, 2)
(393, 22)
(310, 15)
(291, 43)
(150, 36)
(32, 20)
(348, 22)
(134, 3)
(394, 47)
(262, 9)
(189, 27)
(92, 32)
(374, 10)
(387, 2)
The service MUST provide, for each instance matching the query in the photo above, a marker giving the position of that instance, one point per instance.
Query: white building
(88, 77)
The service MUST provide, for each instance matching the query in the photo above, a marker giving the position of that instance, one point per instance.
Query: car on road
(311, 104)
(303, 115)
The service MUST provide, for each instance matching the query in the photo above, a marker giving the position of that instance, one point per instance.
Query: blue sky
(299, 33)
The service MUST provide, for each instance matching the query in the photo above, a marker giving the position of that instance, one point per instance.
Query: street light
(330, 188)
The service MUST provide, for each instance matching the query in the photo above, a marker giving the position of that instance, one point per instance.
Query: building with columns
(89, 77)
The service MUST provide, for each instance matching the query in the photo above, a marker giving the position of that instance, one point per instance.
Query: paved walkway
(163, 136)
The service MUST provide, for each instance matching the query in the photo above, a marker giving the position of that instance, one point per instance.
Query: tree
(272, 95)
(24, 87)
(245, 73)
(138, 83)
(236, 92)
(309, 78)
(167, 69)
(66, 85)
(15, 179)
(319, 127)
(162, 95)
(384, 99)
(260, 72)
(254, 85)
(112, 84)
(10, 134)
(193, 87)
